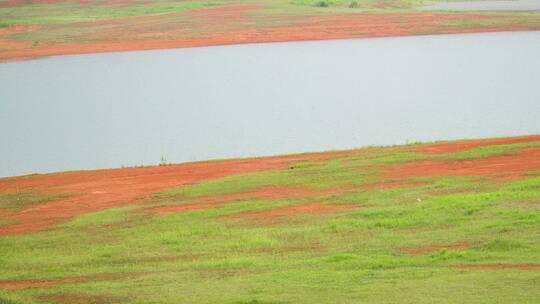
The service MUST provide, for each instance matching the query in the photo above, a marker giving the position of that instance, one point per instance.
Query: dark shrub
(322, 4)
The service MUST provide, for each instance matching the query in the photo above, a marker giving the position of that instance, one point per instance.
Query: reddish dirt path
(232, 25)
(102, 189)
(453, 147)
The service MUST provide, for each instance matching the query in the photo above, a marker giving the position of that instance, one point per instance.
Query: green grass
(73, 12)
(7, 301)
(21, 200)
(6, 222)
(355, 256)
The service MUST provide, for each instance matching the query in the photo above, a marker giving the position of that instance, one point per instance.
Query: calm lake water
(108, 110)
(486, 5)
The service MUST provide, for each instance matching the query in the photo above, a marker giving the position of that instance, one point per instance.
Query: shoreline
(318, 29)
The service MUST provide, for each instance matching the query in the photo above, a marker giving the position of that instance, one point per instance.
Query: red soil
(281, 212)
(234, 25)
(434, 248)
(5, 213)
(453, 147)
(102, 189)
(509, 166)
(535, 267)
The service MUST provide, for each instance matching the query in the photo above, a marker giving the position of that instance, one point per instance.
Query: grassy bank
(30, 29)
(447, 223)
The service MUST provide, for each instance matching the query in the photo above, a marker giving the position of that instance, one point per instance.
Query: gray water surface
(485, 5)
(108, 110)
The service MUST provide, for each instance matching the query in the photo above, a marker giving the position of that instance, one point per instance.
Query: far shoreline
(171, 45)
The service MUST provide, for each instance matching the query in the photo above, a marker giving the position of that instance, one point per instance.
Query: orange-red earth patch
(102, 189)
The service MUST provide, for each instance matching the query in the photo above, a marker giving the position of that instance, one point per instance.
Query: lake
(126, 109)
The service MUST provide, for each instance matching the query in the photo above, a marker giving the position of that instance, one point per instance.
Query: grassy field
(455, 222)
(30, 29)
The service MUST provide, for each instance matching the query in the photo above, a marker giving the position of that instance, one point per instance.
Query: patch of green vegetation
(318, 3)
(6, 222)
(504, 245)
(21, 200)
(353, 4)
(6, 301)
(72, 12)
(383, 157)
(106, 217)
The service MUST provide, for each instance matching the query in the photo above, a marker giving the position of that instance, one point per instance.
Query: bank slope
(449, 222)
(33, 29)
